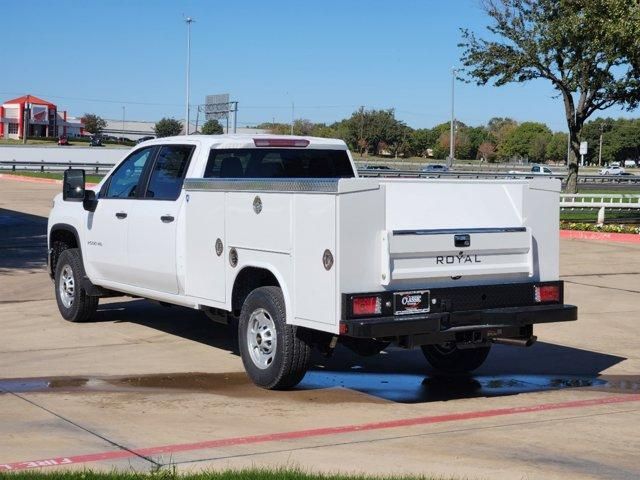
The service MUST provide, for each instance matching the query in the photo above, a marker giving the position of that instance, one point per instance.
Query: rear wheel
(73, 302)
(448, 358)
(275, 355)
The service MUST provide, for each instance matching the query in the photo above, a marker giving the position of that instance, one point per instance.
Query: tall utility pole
(602, 126)
(123, 109)
(452, 135)
(188, 21)
(293, 107)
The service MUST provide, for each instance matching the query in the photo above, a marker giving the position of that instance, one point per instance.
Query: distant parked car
(541, 169)
(612, 170)
(377, 167)
(435, 168)
(95, 141)
(63, 140)
(144, 139)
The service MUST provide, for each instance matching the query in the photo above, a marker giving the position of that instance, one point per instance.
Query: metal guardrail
(584, 179)
(600, 201)
(43, 166)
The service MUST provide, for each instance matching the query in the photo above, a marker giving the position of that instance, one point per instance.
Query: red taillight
(280, 142)
(367, 305)
(547, 293)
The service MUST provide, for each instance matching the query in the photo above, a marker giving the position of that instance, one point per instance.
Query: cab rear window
(278, 163)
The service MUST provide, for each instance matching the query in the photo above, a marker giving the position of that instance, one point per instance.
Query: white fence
(601, 202)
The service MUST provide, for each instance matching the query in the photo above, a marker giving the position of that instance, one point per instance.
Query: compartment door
(205, 225)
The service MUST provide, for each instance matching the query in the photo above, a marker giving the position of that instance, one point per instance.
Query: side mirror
(90, 202)
(73, 186)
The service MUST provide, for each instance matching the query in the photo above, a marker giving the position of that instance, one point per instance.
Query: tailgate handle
(462, 240)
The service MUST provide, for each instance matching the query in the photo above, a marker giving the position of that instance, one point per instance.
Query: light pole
(452, 135)
(123, 109)
(188, 21)
(293, 107)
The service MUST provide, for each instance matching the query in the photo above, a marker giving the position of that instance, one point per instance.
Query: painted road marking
(316, 432)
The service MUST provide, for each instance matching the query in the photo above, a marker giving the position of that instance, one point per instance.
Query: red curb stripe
(600, 236)
(317, 432)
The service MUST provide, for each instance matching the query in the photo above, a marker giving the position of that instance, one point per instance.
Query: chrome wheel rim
(67, 286)
(261, 338)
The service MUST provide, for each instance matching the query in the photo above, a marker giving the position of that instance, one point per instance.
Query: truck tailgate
(436, 231)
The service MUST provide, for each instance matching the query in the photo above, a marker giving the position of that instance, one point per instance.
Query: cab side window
(169, 171)
(124, 181)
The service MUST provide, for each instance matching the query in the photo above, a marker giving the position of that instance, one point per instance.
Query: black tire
(448, 358)
(78, 307)
(281, 350)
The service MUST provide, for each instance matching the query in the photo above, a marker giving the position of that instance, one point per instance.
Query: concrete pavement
(146, 385)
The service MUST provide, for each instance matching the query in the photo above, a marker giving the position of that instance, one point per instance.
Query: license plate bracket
(412, 302)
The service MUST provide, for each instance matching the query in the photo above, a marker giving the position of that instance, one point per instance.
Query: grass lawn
(54, 175)
(169, 474)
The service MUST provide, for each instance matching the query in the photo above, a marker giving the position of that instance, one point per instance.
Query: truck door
(107, 227)
(154, 223)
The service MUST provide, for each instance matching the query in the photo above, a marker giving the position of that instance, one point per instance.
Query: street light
(452, 138)
(293, 107)
(123, 108)
(188, 21)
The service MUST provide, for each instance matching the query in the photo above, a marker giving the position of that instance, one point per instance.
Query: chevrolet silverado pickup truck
(280, 236)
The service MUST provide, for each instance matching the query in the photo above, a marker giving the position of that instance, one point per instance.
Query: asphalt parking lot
(147, 386)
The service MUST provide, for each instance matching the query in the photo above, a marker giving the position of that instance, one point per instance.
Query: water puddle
(331, 387)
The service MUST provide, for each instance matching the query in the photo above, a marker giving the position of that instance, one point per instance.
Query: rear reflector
(367, 305)
(280, 142)
(547, 293)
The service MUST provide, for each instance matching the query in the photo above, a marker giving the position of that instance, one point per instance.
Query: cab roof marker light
(281, 142)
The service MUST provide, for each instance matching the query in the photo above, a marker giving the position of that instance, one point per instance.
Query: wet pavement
(393, 387)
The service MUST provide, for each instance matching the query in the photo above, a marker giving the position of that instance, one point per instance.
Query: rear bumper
(453, 322)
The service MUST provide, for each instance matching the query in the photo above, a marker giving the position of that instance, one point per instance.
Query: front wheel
(275, 355)
(73, 302)
(448, 358)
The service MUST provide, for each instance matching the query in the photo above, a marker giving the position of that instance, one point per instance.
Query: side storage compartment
(361, 223)
(314, 260)
(204, 256)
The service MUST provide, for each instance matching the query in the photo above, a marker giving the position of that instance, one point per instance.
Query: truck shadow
(399, 375)
(23, 240)
(174, 320)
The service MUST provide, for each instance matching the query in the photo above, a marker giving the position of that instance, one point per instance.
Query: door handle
(121, 215)
(167, 218)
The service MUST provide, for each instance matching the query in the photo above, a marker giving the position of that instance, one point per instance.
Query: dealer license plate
(408, 303)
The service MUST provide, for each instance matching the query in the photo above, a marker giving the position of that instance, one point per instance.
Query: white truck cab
(280, 234)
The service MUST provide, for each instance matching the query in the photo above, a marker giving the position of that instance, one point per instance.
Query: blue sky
(327, 56)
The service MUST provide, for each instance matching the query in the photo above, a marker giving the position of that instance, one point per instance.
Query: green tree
(587, 49)
(422, 140)
(557, 147)
(212, 127)
(93, 123)
(167, 127)
(527, 141)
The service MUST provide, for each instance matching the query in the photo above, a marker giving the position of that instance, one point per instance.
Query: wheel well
(60, 240)
(248, 280)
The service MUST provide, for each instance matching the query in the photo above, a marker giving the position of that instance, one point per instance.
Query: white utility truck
(280, 234)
